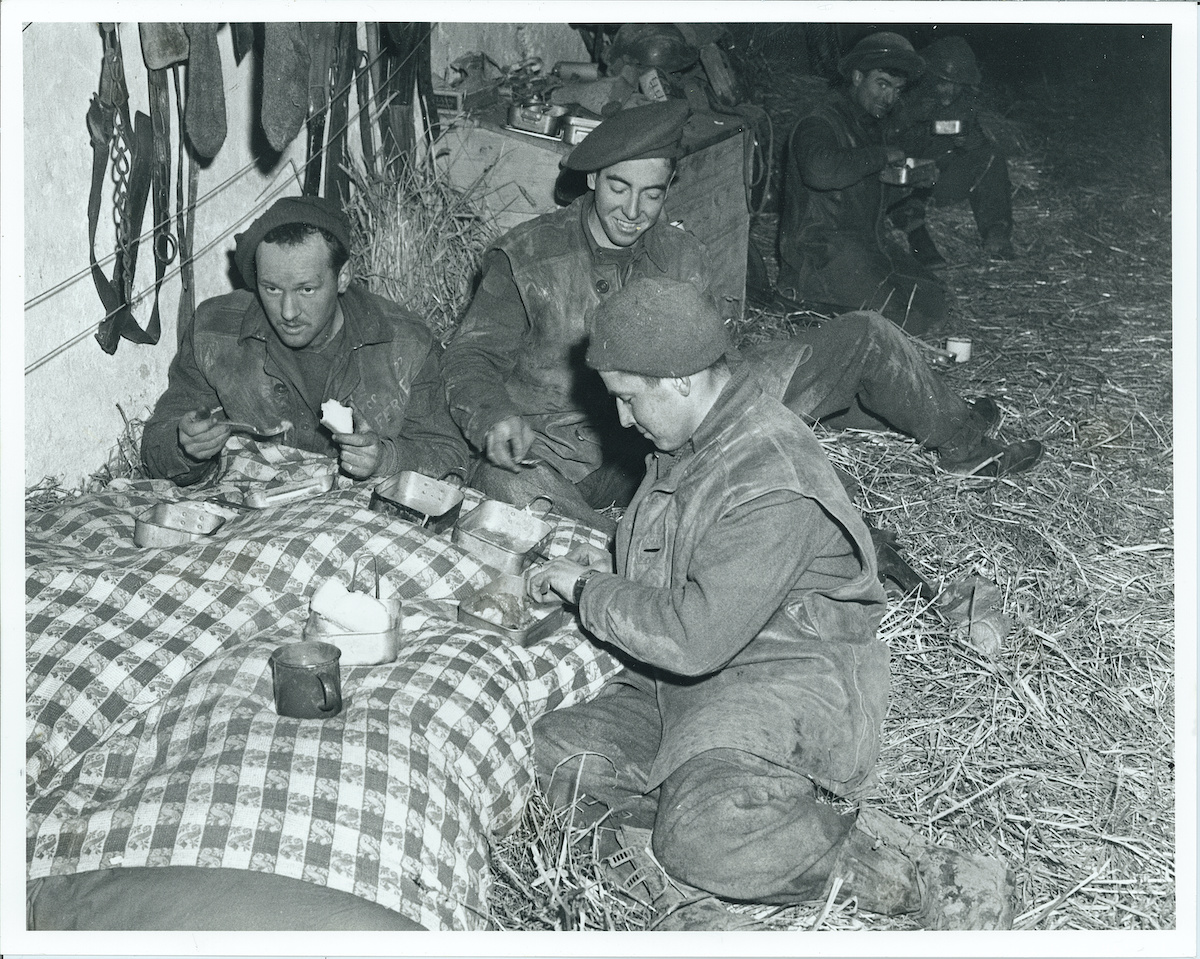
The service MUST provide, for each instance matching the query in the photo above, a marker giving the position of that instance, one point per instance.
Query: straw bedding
(1056, 755)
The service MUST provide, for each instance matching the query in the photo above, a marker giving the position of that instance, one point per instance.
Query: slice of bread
(337, 418)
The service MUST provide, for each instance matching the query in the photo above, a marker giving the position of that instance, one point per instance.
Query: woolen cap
(638, 133)
(883, 51)
(657, 327)
(952, 58)
(315, 210)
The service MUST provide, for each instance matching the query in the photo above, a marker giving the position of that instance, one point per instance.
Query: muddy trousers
(858, 371)
(725, 821)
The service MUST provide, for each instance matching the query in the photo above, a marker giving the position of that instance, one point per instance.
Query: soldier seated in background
(745, 602)
(835, 249)
(302, 334)
(938, 119)
(514, 370)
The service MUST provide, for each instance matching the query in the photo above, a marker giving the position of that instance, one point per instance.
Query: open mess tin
(502, 607)
(503, 537)
(365, 628)
(427, 502)
(172, 524)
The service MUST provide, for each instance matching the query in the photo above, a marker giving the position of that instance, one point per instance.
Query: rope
(104, 261)
(263, 200)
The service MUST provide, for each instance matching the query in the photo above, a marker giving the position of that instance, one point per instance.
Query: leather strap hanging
(366, 132)
(164, 244)
(131, 147)
(319, 37)
(341, 77)
(185, 223)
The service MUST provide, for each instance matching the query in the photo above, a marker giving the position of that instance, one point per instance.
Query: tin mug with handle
(307, 680)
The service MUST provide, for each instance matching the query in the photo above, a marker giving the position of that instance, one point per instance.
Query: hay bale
(418, 241)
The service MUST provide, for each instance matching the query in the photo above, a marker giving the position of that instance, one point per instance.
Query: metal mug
(308, 680)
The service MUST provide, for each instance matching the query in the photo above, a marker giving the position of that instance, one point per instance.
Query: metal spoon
(265, 431)
(238, 427)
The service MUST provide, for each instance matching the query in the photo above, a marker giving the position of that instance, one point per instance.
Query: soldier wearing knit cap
(303, 334)
(744, 599)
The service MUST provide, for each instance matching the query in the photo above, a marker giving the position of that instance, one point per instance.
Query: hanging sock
(285, 83)
(163, 44)
(205, 116)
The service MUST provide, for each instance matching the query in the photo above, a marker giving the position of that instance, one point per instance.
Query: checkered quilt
(152, 738)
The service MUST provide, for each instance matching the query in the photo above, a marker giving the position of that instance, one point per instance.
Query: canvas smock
(747, 587)
(387, 369)
(519, 349)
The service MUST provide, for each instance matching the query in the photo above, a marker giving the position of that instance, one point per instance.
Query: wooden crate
(513, 174)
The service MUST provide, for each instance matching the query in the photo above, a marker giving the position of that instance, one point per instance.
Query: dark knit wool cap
(657, 327)
(314, 210)
(885, 51)
(639, 133)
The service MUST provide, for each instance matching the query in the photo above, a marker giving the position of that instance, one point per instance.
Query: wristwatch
(577, 591)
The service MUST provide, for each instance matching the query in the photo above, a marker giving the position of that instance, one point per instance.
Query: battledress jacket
(834, 247)
(747, 585)
(526, 357)
(388, 371)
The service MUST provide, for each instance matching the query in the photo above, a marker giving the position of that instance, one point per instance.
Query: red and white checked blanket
(152, 738)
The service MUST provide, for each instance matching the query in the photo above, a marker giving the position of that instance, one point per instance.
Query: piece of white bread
(337, 418)
(352, 611)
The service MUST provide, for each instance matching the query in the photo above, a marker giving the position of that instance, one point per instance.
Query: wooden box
(513, 175)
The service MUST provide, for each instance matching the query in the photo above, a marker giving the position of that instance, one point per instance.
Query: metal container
(289, 492)
(536, 117)
(423, 500)
(502, 608)
(501, 536)
(901, 175)
(947, 127)
(172, 524)
(576, 128)
(359, 648)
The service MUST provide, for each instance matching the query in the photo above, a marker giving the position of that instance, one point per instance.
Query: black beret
(314, 210)
(638, 133)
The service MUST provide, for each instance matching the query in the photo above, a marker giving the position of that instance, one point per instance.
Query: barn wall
(71, 418)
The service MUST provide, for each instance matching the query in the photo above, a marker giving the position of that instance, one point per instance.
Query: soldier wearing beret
(302, 334)
(519, 389)
(746, 603)
(514, 372)
(939, 120)
(834, 249)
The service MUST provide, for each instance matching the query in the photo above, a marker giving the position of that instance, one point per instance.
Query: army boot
(891, 871)
(991, 458)
(678, 907)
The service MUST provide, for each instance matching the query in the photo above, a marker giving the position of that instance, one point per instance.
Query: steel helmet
(951, 58)
(659, 45)
(883, 51)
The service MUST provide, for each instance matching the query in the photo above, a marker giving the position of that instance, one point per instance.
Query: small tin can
(959, 347)
(947, 127)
